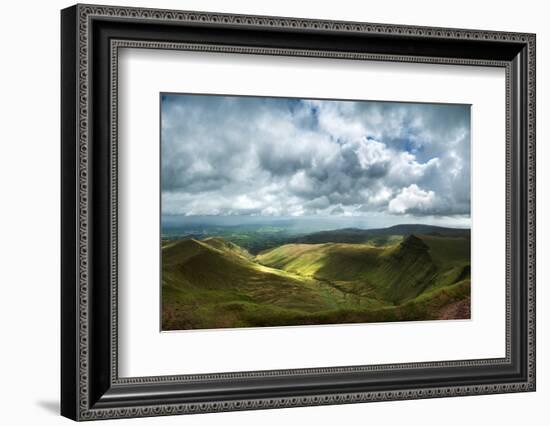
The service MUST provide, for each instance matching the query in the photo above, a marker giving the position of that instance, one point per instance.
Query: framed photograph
(263, 212)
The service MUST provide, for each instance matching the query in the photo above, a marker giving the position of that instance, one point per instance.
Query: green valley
(345, 276)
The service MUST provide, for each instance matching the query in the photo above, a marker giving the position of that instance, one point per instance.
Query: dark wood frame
(91, 37)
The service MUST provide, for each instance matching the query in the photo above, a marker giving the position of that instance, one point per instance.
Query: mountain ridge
(214, 283)
(358, 235)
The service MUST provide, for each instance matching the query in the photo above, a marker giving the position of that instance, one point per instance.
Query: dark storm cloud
(224, 155)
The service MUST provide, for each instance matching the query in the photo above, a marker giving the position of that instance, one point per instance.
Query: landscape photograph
(298, 212)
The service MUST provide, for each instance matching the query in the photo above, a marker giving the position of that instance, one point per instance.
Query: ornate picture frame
(91, 37)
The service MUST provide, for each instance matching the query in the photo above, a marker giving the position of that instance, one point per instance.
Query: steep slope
(406, 271)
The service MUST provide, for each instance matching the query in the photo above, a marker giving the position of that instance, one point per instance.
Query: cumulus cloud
(229, 155)
(412, 198)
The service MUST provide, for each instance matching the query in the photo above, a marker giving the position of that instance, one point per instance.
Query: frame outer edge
(531, 200)
(69, 189)
(83, 13)
(84, 193)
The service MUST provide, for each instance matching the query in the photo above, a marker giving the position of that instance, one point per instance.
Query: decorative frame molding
(91, 37)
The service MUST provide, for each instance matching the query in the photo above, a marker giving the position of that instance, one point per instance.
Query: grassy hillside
(393, 273)
(213, 283)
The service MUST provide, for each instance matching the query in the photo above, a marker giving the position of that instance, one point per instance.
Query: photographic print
(292, 211)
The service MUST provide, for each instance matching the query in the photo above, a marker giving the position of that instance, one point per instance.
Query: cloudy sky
(281, 157)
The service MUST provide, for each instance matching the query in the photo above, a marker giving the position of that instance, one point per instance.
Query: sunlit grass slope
(395, 272)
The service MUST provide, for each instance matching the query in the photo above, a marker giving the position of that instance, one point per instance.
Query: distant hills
(356, 235)
(405, 272)
(257, 238)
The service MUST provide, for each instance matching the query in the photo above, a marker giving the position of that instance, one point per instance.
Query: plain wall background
(29, 225)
